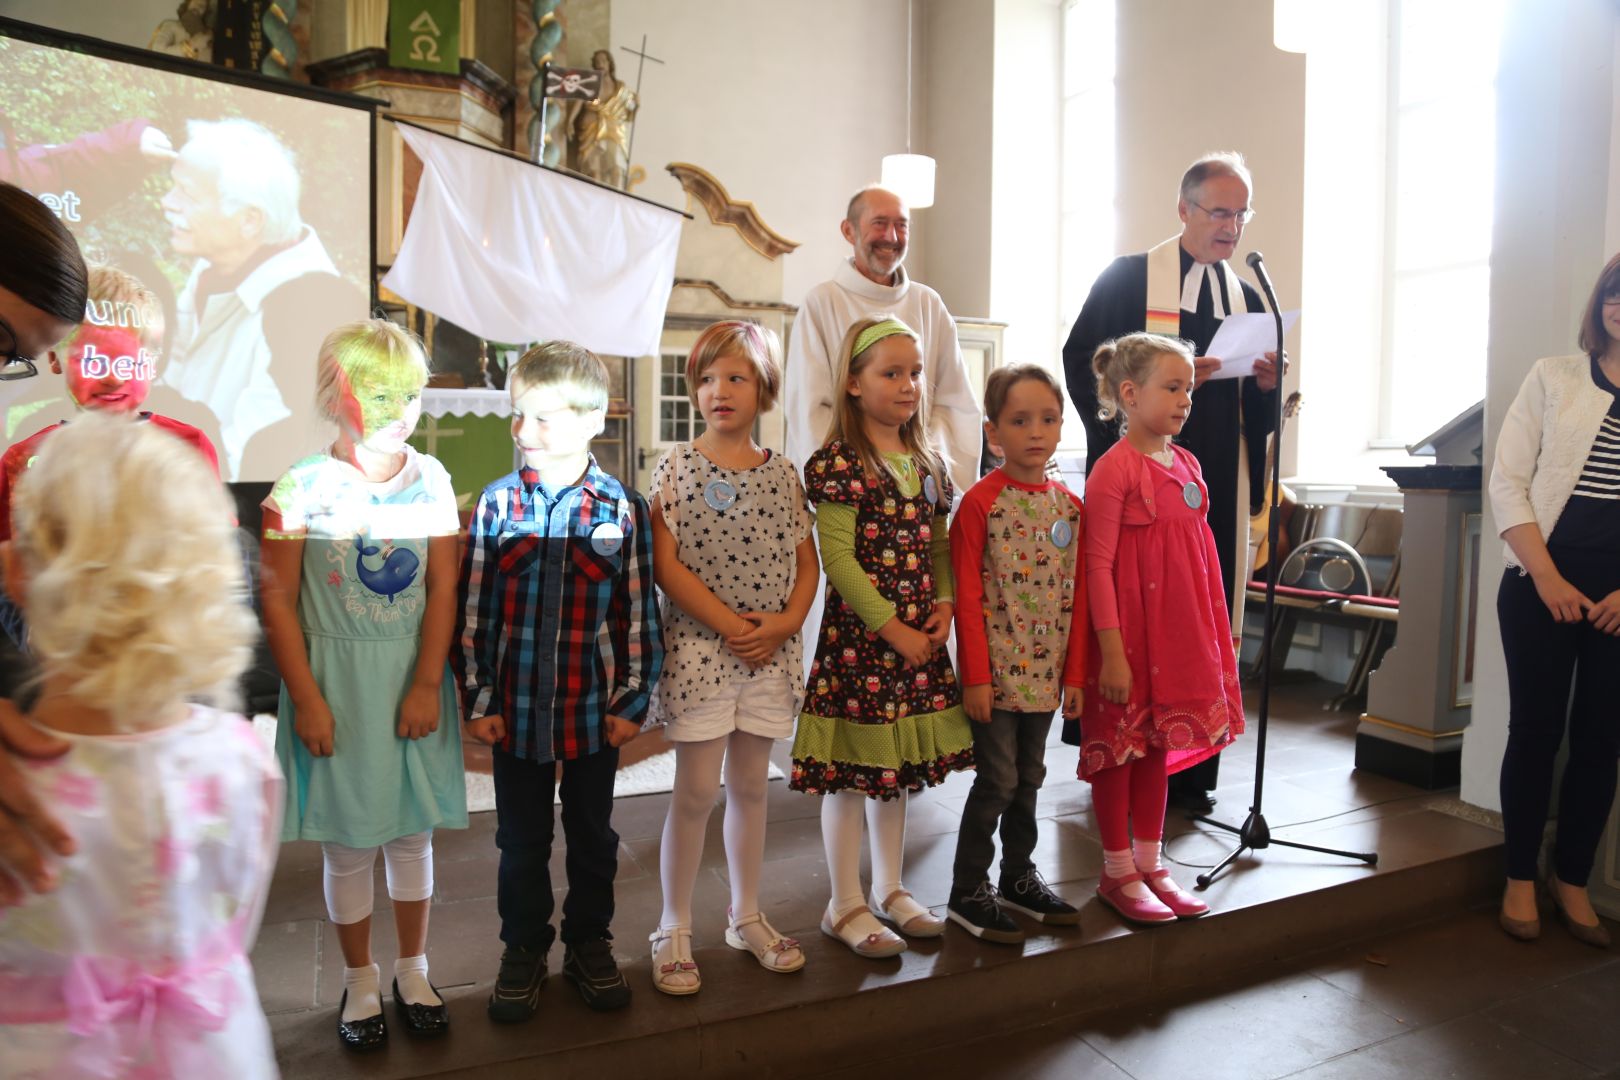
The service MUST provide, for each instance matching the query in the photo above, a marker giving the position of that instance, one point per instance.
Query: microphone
(1257, 263)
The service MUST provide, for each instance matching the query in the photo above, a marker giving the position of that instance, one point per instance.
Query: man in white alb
(873, 281)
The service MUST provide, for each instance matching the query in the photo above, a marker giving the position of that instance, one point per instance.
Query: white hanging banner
(516, 253)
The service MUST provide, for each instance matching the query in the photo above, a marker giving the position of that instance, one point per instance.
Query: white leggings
(697, 782)
(347, 877)
(841, 817)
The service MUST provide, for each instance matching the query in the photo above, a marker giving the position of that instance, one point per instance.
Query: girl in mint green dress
(359, 607)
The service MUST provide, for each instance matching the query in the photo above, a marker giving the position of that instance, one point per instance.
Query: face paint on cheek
(348, 406)
(107, 369)
(385, 403)
(377, 416)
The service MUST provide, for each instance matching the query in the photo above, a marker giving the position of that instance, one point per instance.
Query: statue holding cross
(601, 132)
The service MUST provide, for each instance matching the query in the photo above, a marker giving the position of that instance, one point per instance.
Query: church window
(678, 419)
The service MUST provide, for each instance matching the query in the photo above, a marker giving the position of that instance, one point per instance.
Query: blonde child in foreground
(1162, 693)
(125, 561)
(734, 555)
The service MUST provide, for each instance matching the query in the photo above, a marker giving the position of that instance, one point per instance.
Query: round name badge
(930, 489)
(720, 495)
(1194, 497)
(607, 538)
(1062, 534)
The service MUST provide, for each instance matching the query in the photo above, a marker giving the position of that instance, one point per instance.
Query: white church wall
(956, 42)
(1612, 232)
(1555, 193)
(790, 104)
(1026, 169)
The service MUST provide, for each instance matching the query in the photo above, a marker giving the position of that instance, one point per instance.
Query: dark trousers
(525, 824)
(1202, 777)
(1542, 658)
(1009, 755)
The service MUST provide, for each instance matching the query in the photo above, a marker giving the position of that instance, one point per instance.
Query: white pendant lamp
(908, 175)
(1291, 24)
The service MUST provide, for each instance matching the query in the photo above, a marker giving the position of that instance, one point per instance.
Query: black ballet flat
(367, 1033)
(427, 1020)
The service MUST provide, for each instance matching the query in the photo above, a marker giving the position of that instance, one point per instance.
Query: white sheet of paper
(1244, 338)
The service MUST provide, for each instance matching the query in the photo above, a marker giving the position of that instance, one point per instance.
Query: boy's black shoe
(1035, 898)
(589, 965)
(517, 987)
(979, 914)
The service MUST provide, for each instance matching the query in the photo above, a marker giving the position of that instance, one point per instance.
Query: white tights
(347, 876)
(841, 834)
(697, 782)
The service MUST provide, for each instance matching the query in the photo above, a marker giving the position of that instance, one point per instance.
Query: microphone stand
(1255, 834)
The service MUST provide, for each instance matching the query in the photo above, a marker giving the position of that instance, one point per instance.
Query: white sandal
(876, 946)
(771, 957)
(912, 919)
(680, 941)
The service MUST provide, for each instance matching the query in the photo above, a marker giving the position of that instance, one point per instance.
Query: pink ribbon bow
(98, 993)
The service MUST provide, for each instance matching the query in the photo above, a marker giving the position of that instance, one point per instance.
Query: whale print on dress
(395, 575)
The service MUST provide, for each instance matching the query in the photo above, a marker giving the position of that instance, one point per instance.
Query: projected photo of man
(262, 292)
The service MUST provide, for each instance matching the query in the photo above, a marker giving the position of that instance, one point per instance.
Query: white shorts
(761, 707)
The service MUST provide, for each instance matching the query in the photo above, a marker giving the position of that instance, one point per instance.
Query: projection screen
(246, 212)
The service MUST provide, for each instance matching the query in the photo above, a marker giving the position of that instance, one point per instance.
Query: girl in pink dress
(125, 560)
(1162, 694)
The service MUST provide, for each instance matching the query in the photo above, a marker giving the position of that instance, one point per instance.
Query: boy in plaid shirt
(559, 651)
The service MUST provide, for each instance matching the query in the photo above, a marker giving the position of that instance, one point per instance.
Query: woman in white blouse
(1555, 490)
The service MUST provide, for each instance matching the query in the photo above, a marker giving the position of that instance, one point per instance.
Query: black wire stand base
(1255, 835)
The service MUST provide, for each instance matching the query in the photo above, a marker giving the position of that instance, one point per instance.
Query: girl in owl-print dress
(883, 716)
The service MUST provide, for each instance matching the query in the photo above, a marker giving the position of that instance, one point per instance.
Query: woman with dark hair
(43, 287)
(1555, 489)
(43, 281)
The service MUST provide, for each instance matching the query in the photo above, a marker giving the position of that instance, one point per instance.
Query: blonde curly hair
(1131, 358)
(134, 586)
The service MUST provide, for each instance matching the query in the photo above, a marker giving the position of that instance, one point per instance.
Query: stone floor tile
(1247, 1033)
(1470, 1046)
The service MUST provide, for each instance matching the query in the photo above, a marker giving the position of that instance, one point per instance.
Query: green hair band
(878, 331)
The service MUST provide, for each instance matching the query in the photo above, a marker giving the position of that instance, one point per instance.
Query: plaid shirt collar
(597, 482)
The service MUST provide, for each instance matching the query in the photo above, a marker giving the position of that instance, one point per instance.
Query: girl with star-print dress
(735, 559)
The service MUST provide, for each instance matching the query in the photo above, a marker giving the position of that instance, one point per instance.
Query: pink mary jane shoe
(1145, 912)
(1183, 903)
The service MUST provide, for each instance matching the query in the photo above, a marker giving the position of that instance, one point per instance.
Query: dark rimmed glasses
(13, 364)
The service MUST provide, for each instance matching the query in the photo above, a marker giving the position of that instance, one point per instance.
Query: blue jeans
(526, 825)
(1010, 757)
